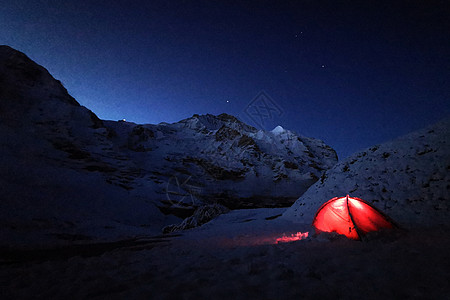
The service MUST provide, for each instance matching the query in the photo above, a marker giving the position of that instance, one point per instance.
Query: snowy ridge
(278, 130)
(408, 178)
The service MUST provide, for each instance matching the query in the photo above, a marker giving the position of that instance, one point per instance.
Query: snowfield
(234, 257)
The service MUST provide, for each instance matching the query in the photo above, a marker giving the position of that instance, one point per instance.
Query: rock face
(408, 178)
(64, 169)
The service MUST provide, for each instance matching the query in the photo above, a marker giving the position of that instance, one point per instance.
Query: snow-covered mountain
(63, 170)
(211, 159)
(60, 175)
(408, 178)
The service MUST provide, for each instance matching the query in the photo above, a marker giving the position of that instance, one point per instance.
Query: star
(228, 101)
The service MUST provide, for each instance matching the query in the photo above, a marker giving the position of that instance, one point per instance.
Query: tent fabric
(350, 216)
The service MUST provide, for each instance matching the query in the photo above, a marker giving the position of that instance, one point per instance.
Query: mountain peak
(28, 90)
(227, 117)
(278, 130)
(22, 78)
(214, 122)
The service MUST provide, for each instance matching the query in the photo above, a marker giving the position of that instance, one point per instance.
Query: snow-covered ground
(234, 257)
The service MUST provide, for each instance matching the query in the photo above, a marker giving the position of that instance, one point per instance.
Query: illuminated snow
(293, 237)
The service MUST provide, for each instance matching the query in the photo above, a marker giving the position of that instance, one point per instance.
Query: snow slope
(407, 178)
(56, 161)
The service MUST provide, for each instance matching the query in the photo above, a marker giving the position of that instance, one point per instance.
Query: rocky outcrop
(201, 216)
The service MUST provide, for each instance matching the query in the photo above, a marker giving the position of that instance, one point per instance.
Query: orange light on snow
(293, 237)
(350, 216)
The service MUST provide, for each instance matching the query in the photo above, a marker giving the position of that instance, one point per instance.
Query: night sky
(350, 73)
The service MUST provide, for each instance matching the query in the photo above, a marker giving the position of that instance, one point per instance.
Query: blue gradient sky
(351, 74)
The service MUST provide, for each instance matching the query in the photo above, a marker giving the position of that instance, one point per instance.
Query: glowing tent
(350, 216)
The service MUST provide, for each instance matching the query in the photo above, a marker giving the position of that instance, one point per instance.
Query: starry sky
(352, 73)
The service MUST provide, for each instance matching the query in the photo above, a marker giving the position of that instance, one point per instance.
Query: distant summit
(214, 122)
(236, 164)
(278, 130)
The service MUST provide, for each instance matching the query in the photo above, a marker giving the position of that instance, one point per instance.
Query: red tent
(350, 216)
